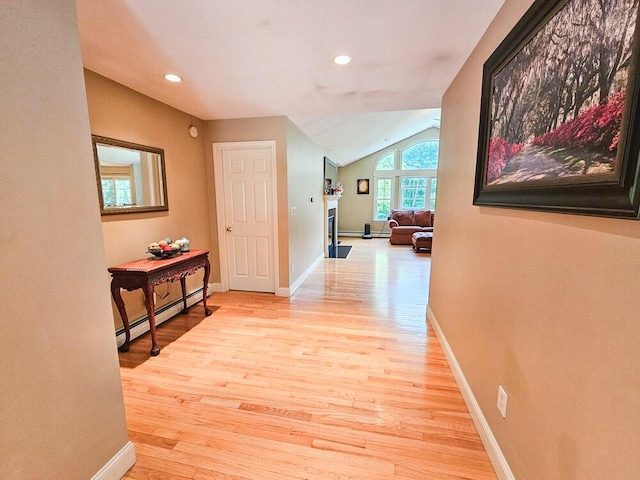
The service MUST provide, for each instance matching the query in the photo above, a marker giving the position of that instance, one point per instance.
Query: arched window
(423, 155)
(406, 179)
(386, 163)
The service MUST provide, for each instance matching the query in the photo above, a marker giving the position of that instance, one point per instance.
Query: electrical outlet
(502, 401)
(293, 268)
(293, 211)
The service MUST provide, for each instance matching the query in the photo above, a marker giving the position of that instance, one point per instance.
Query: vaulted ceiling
(253, 58)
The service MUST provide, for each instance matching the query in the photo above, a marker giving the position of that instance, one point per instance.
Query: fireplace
(331, 225)
(332, 233)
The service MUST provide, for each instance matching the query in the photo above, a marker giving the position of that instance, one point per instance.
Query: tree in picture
(556, 107)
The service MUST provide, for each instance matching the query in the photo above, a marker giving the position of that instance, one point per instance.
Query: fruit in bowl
(163, 249)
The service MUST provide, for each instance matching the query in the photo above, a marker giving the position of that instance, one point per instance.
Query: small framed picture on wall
(363, 186)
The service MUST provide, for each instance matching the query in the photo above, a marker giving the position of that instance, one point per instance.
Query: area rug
(343, 251)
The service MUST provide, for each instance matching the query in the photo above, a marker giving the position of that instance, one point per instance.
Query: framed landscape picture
(559, 112)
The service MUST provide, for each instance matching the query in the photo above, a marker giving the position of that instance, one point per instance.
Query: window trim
(375, 193)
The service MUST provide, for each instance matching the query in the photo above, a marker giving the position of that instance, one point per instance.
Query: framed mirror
(330, 172)
(130, 177)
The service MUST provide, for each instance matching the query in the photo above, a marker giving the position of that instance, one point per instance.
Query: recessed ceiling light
(342, 60)
(172, 77)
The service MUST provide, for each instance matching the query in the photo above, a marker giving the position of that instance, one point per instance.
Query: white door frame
(218, 175)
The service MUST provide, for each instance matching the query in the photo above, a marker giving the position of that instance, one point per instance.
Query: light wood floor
(344, 380)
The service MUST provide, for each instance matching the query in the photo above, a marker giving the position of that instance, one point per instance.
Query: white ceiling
(254, 58)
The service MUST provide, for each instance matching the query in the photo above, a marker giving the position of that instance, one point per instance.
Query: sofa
(404, 223)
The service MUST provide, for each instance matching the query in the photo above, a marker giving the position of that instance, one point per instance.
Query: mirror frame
(97, 139)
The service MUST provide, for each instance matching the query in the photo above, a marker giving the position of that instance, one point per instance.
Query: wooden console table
(149, 272)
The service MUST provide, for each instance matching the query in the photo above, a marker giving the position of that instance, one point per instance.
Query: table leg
(148, 299)
(117, 298)
(183, 286)
(207, 269)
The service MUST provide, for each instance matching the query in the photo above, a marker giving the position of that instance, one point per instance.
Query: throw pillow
(403, 217)
(423, 218)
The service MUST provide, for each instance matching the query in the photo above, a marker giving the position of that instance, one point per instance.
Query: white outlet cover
(502, 401)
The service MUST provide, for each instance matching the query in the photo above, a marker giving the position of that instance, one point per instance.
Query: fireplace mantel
(332, 198)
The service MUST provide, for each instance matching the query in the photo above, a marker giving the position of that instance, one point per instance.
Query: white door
(249, 220)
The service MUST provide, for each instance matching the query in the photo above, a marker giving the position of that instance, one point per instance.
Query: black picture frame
(362, 186)
(517, 165)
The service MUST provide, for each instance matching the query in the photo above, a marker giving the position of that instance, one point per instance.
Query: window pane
(421, 155)
(386, 162)
(109, 192)
(383, 209)
(123, 192)
(414, 192)
(432, 194)
(384, 188)
(383, 198)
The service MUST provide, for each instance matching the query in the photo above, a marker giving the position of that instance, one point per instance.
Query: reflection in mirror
(130, 177)
(330, 171)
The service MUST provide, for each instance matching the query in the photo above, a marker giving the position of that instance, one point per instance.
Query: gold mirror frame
(144, 176)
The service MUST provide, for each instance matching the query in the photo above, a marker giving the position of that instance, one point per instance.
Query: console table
(149, 272)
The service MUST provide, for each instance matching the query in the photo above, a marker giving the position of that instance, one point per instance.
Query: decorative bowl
(159, 253)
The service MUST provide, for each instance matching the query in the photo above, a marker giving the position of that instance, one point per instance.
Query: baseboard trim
(283, 292)
(115, 468)
(489, 441)
(140, 326)
(359, 234)
(287, 292)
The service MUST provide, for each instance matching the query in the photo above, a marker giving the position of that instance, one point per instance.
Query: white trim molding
(287, 292)
(330, 202)
(359, 234)
(489, 441)
(115, 468)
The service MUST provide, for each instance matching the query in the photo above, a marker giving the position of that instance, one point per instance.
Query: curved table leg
(207, 270)
(183, 287)
(117, 298)
(148, 299)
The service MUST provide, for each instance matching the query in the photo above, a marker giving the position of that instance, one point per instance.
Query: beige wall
(356, 210)
(118, 112)
(246, 130)
(61, 407)
(544, 304)
(305, 169)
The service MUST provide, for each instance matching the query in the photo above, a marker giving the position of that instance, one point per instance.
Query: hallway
(342, 380)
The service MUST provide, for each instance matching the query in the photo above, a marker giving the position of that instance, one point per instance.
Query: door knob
(229, 229)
